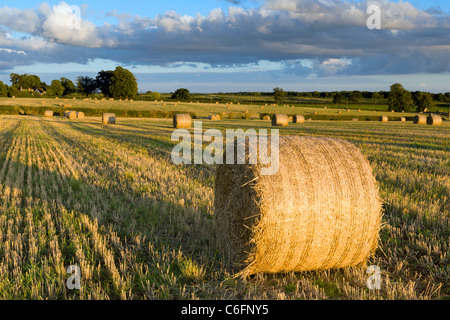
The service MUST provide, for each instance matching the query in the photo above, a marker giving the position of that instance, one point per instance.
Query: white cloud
(328, 32)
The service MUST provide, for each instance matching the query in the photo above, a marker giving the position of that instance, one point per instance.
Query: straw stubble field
(109, 199)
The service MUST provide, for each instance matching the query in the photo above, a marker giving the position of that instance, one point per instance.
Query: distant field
(202, 110)
(110, 200)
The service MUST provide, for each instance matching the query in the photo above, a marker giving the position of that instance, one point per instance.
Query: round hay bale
(266, 118)
(214, 117)
(402, 119)
(262, 107)
(280, 120)
(420, 119)
(109, 118)
(182, 121)
(291, 119)
(384, 119)
(434, 120)
(298, 119)
(355, 119)
(13, 97)
(339, 112)
(320, 211)
(48, 113)
(315, 113)
(71, 115)
(80, 115)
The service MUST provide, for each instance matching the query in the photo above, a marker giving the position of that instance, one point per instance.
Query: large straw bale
(109, 118)
(48, 113)
(320, 211)
(80, 115)
(434, 120)
(182, 121)
(281, 120)
(299, 119)
(214, 117)
(71, 115)
(384, 119)
(420, 119)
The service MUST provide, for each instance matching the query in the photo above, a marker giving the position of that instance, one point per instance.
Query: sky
(232, 45)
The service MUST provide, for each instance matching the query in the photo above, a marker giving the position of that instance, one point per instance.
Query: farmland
(110, 200)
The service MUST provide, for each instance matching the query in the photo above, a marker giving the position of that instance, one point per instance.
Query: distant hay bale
(71, 115)
(182, 121)
(298, 119)
(315, 112)
(420, 119)
(402, 119)
(280, 120)
(109, 118)
(262, 107)
(214, 117)
(111, 99)
(434, 120)
(384, 119)
(339, 112)
(355, 119)
(266, 118)
(48, 113)
(291, 119)
(320, 211)
(13, 97)
(80, 115)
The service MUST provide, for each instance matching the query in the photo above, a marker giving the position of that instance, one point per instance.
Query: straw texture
(434, 120)
(109, 118)
(402, 119)
(320, 211)
(420, 119)
(48, 113)
(384, 119)
(182, 121)
(80, 115)
(280, 120)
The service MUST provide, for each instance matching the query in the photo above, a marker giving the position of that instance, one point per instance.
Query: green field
(166, 109)
(110, 200)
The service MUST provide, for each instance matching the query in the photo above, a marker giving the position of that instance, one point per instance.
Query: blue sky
(219, 45)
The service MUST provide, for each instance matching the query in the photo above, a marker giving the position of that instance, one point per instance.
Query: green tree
(104, 82)
(69, 86)
(181, 94)
(123, 84)
(279, 95)
(57, 88)
(355, 96)
(25, 81)
(399, 99)
(338, 97)
(422, 100)
(86, 85)
(3, 89)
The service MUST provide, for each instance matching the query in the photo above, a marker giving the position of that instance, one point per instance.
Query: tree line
(118, 83)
